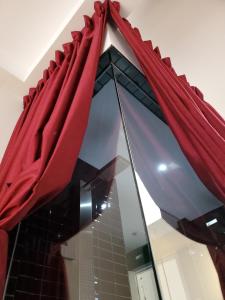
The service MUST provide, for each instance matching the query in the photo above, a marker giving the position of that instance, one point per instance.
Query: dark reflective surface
(161, 165)
(173, 197)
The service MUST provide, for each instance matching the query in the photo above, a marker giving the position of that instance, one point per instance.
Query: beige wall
(11, 91)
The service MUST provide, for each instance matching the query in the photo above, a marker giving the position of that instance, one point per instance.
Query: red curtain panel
(44, 147)
(198, 128)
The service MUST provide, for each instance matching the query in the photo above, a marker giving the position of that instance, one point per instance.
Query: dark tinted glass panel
(183, 217)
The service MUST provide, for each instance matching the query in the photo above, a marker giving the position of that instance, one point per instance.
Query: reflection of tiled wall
(99, 252)
(37, 268)
(93, 261)
(109, 260)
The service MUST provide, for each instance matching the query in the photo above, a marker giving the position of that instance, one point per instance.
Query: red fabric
(42, 152)
(198, 128)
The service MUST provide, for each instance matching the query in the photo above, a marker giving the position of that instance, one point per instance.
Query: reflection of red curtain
(178, 191)
(42, 152)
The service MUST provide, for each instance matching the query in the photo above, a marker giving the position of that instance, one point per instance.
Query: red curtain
(43, 149)
(198, 128)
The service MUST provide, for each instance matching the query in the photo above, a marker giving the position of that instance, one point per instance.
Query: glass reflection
(105, 258)
(174, 201)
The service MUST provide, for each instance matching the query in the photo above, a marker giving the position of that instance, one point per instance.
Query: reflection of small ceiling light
(162, 167)
(210, 223)
(138, 256)
(95, 282)
(109, 205)
(103, 206)
(201, 254)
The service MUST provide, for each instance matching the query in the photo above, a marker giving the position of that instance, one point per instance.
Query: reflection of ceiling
(29, 28)
(162, 166)
(105, 140)
(104, 137)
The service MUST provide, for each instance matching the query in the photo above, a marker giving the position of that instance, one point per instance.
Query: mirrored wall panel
(185, 220)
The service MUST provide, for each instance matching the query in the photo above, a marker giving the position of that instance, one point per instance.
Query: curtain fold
(41, 155)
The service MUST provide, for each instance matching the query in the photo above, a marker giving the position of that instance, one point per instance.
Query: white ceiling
(29, 28)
